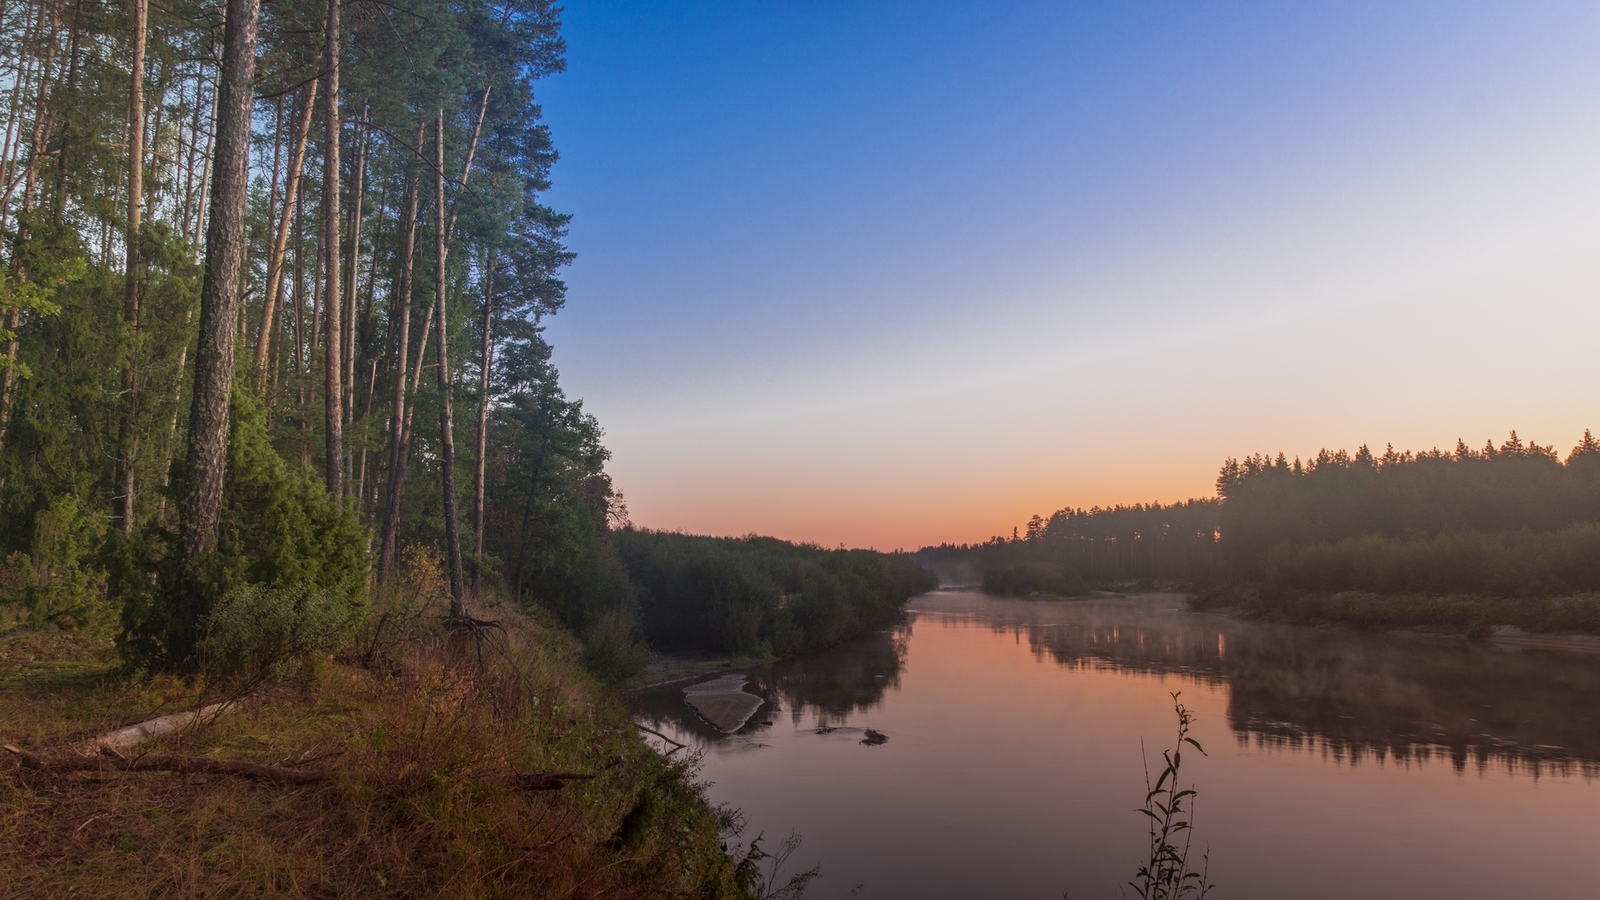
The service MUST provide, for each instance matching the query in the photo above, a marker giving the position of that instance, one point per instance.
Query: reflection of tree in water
(836, 682)
(832, 684)
(1343, 694)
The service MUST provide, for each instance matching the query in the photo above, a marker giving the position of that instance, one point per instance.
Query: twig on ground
(182, 764)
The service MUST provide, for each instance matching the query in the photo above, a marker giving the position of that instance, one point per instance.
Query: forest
(1517, 520)
(762, 596)
(278, 418)
(250, 277)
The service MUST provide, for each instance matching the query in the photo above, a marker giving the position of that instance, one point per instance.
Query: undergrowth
(421, 732)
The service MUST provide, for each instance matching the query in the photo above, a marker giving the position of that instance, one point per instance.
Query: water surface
(1341, 765)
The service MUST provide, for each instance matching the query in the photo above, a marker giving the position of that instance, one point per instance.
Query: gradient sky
(888, 273)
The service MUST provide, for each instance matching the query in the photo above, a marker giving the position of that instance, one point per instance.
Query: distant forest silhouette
(1509, 520)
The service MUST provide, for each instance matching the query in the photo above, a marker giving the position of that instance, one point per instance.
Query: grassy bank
(1472, 615)
(417, 737)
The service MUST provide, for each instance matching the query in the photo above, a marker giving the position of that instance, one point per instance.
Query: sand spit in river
(722, 702)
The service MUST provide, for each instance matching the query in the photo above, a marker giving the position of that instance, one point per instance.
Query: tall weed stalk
(1168, 875)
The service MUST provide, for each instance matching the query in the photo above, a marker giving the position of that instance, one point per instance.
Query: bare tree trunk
(207, 161)
(450, 233)
(351, 270)
(333, 368)
(348, 337)
(219, 293)
(299, 301)
(400, 301)
(360, 492)
(486, 359)
(280, 241)
(447, 440)
(128, 452)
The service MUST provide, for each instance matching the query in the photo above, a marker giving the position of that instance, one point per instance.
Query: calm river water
(1341, 765)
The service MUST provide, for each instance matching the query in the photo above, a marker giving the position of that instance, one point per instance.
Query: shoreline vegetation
(1468, 541)
(1469, 616)
(1025, 579)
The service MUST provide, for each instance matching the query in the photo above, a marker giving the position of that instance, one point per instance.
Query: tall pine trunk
(333, 334)
(352, 269)
(447, 440)
(128, 452)
(486, 359)
(220, 291)
(449, 234)
(400, 302)
(280, 241)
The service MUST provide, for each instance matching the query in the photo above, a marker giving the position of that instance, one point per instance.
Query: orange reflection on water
(1339, 766)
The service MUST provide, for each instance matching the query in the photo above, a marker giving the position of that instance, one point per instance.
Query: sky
(890, 274)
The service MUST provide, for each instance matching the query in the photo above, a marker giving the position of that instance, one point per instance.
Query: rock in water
(722, 702)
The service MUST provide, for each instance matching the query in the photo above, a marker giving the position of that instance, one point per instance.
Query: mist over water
(1341, 764)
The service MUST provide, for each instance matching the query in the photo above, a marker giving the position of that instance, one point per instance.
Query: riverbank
(1505, 618)
(430, 770)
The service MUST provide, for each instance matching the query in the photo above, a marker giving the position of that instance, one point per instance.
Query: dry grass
(417, 731)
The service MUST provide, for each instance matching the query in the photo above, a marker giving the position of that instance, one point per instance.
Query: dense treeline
(1510, 520)
(758, 595)
(1275, 511)
(1142, 542)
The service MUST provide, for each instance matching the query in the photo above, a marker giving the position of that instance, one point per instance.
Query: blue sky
(886, 274)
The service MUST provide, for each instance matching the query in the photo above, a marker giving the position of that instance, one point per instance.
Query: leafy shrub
(1035, 578)
(256, 634)
(279, 529)
(59, 581)
(614, 648)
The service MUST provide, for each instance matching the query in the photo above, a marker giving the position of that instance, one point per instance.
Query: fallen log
(134, 735)
(72, 762)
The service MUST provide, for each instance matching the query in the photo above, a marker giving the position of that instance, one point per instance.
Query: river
(1339, 764)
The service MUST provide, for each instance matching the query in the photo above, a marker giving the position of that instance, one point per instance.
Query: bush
(614, 648)
(58, 582)
(279, 529)
(1035, 578)
(256, 635)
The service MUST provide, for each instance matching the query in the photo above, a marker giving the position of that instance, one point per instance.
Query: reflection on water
(1346, 695)
(1341, 764)
(828, 686)
(1334, 691)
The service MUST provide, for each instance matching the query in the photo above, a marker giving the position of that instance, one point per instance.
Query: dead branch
(676, 746)
(543, 781)
(71, 762)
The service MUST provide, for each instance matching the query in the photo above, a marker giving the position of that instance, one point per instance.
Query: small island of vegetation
(1022, 579)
